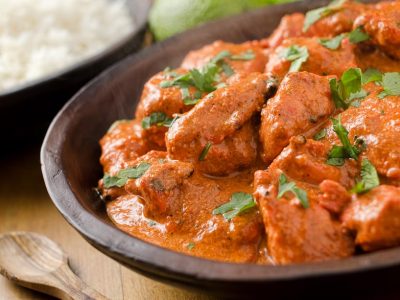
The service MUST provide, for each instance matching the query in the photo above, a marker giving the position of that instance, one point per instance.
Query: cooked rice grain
(40, 37)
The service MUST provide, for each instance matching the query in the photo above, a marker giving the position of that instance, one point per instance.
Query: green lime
(168, 17)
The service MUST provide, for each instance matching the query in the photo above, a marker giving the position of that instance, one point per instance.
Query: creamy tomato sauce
(196, 230)
(278, 151)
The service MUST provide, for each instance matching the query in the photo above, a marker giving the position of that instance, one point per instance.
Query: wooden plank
(25, 205)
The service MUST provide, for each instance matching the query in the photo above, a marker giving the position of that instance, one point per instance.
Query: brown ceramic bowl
(70, 156)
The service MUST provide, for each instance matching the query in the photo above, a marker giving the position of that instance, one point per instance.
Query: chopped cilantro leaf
(190, 245)
(314, 15)
(247, 55)
(369, 178)
(335, 161)
(333, 43)
(204, 152)
(355, 103)
(343, 135)
(286, 186)
(156, 118)
(239, 203)
(357, 95)
(227, 69)
(122, 177)
(348, 88)
(204, 80)
(358, 35)
(338, 154)
(220, 56)
(207, 79)
(351, 80)
(336, 91)
(390, 84)
(371, 75)
(296, 54)
(320, 135)
(190, 101)
(170, 121)
(360, 144)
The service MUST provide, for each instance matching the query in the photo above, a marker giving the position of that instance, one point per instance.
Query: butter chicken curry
(282, 150)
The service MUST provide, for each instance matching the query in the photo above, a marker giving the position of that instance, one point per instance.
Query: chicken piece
(305, 160)
(303, 101)
(234, 153)
(321, 60)
(121, 145)
(291, 26)
(382, 25)
(297, 234)
(368, 57)
(339, 21)
(375, 217)
(159, 186)
(334, 196)
(156, 99)
(199, 58)
(168, 100)
(190, 220)
(220, 120)
(377, 123)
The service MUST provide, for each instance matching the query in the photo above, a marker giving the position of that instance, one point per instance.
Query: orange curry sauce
(283, 150)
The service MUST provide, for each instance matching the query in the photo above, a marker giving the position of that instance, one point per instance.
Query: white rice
(40, 37)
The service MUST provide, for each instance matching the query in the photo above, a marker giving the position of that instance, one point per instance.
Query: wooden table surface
(25, 205)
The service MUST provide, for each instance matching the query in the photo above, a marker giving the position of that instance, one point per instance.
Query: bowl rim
(139, 25)
(155, 260)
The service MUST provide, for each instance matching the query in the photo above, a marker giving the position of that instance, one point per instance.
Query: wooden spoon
(36, 262)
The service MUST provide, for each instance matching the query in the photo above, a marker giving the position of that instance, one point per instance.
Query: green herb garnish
(371, 75)
(227, 69)
(220, 56)
(338, 154)
(190, 245)
(351, 81)
(247, 55)
(369, 178)
(170, 123)
(320, 135)
(314, 15)
(355, 98)
(168, 72)
(348, 88)
(286, 186)
(358, 35)
(122, 177)
(156, 118)
(333, 43)
(239, 203)
(390, 84)
(205, 80)
(204, 152)
(296, 54)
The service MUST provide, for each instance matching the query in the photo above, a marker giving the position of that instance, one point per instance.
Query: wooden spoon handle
(72, 287)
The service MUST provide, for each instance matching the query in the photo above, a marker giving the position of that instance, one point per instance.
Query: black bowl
(27, 110)
(70, 166)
